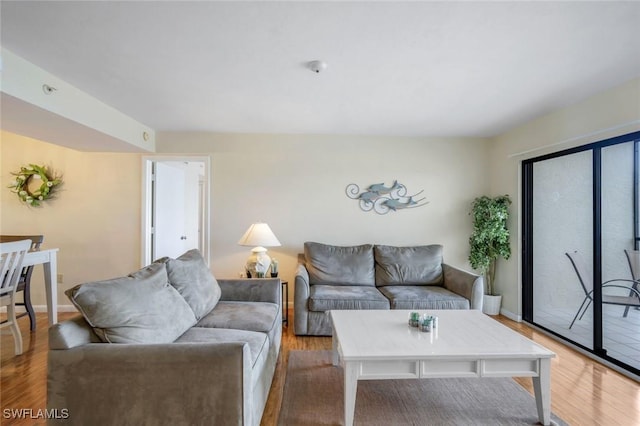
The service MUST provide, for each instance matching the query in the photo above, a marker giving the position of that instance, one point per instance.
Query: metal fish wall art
(383, 199)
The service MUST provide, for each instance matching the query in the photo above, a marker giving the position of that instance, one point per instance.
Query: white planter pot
(491, 304)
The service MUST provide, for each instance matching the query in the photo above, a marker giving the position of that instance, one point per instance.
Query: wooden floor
(583, 392)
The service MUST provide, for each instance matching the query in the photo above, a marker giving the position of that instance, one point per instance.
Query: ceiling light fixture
(317, 66)
(48, 89)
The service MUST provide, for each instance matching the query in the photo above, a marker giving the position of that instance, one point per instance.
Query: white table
(48, 259)
(376, 344)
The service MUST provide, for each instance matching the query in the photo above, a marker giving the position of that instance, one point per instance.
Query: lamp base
(258, 263)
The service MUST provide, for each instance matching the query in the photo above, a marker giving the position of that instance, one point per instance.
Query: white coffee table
(379, 344)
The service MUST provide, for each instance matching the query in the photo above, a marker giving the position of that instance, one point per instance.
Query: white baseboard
(43, 308)
(61, 308)
(510, 315)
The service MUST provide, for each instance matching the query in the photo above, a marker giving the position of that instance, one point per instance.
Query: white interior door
(170, 236)
(175, 196)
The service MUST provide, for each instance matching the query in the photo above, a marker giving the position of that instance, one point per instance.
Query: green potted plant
(488, 242)
(274, 267)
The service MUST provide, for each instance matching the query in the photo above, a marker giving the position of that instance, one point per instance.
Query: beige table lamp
(259, 236)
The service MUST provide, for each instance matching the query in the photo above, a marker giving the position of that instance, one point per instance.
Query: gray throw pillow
(408, 265)
(190, 275)
(335, 265)
(140, 308)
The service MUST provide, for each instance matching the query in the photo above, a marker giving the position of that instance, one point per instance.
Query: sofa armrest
(466, 284)
(175, 383)
(71, 333)
(251, 290)
(301, 297)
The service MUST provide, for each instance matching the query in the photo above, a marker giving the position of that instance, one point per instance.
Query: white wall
(94, 219)
(611, 113)
(296, 183)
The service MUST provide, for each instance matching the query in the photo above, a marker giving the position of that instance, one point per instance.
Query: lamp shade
(259, 234)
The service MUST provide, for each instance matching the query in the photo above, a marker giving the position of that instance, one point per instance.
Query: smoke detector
(317, 66)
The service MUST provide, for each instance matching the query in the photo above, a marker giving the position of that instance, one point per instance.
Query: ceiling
(394, 68)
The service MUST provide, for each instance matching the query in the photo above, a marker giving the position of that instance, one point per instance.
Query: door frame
(599, 350)
(147, 203)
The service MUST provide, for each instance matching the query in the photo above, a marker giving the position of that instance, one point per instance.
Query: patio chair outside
(586, 281)
(633, 257)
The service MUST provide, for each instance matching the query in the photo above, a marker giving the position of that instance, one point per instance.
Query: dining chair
(24, 285)
(586, 282)
(11, 257)
(633, 257)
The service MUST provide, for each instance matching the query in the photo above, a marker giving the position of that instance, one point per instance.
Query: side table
(285, 302)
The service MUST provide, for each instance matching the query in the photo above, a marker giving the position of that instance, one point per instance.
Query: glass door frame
(527, 236)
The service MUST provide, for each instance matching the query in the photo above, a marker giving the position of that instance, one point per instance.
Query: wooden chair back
(36, 241)
(11, 257)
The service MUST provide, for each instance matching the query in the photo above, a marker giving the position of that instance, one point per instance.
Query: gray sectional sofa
(377, 277)
(167, 345)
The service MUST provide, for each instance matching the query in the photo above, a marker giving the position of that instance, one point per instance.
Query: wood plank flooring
(583, 392)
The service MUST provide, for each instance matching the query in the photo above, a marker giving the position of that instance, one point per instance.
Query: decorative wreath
(44, 192)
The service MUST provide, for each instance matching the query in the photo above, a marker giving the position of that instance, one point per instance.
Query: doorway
(175, 206)
(580, 216)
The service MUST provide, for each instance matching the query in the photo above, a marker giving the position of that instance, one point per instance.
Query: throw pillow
(190, 275)
(335, 265)
(408, 265)
(140, 308)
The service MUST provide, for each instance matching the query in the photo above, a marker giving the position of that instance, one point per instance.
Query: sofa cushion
(423, 297)
(251, 316)
(258, 342)
(327, 297)
(140, 308)
(190, 275)
(408, 265)
(335, 265)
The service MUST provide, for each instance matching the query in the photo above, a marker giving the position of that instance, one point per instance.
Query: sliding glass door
(562, 224)
(620, 324)
(580, 215)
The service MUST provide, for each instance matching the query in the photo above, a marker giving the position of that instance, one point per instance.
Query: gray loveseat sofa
(167, 345)
(377, 277)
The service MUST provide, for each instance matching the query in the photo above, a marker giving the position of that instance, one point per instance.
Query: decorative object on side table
(274, 267)
(489, 241)
(260, 236)
(27, 176)
(382, 199)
